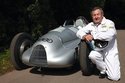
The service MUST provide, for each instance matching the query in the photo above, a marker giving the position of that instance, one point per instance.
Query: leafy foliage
(13, 19)
(5, 62)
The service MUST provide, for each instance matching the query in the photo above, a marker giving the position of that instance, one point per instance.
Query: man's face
(97, 16)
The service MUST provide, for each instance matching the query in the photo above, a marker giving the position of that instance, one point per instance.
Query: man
(106, 60)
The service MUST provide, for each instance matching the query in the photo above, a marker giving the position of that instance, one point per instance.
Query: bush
(5, 62)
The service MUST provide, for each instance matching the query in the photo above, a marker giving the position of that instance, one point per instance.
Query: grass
(5, 62)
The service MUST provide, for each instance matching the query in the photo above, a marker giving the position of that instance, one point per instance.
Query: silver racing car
(59, 48)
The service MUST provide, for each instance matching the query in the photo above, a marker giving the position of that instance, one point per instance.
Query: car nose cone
(38, 56)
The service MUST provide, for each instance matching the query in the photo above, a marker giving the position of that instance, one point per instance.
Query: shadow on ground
(59, 71)
(55, 71)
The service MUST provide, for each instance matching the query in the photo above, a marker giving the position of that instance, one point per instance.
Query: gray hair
(95, 8)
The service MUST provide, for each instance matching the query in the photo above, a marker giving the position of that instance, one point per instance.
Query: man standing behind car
(106, 60)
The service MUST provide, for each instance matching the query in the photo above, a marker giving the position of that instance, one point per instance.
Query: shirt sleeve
(106, 35)
(82, 32)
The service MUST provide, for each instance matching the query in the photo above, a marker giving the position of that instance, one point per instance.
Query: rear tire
(19, 44)
(85, 63)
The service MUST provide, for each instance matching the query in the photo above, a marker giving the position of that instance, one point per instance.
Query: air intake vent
(38, 56)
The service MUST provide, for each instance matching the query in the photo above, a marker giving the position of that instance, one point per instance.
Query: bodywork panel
(54, 49)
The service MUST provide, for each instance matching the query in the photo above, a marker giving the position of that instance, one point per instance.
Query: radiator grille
(38, 56)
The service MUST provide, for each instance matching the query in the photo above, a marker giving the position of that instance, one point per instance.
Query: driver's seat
(81, 21)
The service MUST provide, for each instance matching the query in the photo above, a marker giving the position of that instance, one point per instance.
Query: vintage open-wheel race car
(59, 48)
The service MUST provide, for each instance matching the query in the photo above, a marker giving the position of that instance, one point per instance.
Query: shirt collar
(103, 20)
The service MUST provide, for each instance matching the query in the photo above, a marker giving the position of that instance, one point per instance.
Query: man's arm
(82, 33)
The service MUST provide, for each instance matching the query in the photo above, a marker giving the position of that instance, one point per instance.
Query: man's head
(97, 15)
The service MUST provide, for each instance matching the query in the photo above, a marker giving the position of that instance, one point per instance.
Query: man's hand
(88, 37)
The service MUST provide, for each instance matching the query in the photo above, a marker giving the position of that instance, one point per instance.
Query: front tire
(19, 44)
(85, 63)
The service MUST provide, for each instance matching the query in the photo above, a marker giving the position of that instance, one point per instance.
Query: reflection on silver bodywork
(59, 45)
